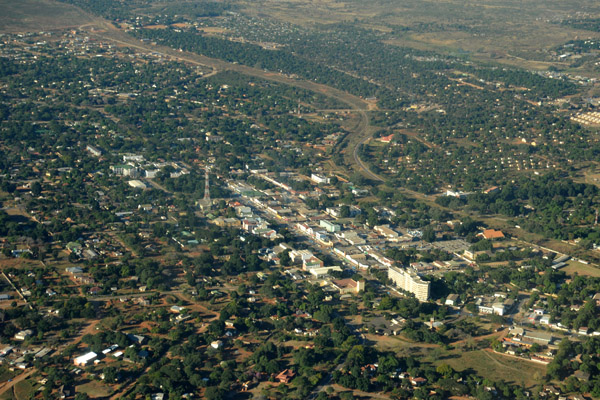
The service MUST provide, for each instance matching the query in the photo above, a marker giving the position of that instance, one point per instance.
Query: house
(217, 344)
(23, 335)
(177, 309)
(285, 376)
(418, 381)
(584, 330)
(596, 298)
(582, 376)
(85, 359)
(74, 270)
(137, 339)
(552, 390)
(492, 234)
(386, 139)
(95, 291)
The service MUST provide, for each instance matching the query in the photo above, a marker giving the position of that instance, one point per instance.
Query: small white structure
(217, 344)
(136, 183)
(23, 335)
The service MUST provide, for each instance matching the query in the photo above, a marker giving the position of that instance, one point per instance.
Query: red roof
(386, 139)
(493, 234)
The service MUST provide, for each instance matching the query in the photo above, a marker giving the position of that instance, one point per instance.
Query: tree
(110, 374)
(285, 259)
(214, 393)
(36, 188)
(429, 235)
(445, 370)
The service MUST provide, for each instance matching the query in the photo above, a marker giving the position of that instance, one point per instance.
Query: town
(176, 226)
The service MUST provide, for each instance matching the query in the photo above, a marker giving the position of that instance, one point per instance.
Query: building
(347, 286)
(319, 178)
(329, 226)
(85, 359)
(94, 150)
(311, 263)
(324, 271)
(137, 339)
(353, 238)
(386, 231)
(23, 335)
(217, 344)
(137, 184)
(409, 282)
(285, 376)
(596, 298)
(124, 170)
(452, 300)
(538, 337)
(491, 234)
(299, 256)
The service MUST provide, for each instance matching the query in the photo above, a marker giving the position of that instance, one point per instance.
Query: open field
(39, 15)
(491, 365)
(20, 391)
(581, 269)
(94, 389)
(513, 33)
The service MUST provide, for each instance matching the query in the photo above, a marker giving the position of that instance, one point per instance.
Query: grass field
(509, 32)
(581, 269)
(94, 389)
(21, 391)
(495, 366)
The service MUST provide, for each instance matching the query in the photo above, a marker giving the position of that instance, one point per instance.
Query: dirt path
(9, 385)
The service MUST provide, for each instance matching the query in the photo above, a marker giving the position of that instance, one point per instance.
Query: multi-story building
(410, 282)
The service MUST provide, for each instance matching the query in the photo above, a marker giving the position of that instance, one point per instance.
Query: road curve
(111, 33)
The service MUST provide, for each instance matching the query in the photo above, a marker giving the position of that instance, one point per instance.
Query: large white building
(410, 282)
(85, 359)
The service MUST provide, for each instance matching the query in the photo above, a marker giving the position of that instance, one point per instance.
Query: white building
(316, 178)
(409, 282)
(85, 359)
(323, 271)
(329, 226)
(137, 184)
(23, 335)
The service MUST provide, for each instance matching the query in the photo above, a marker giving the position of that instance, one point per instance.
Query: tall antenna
(596, 221)
(206, 187)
